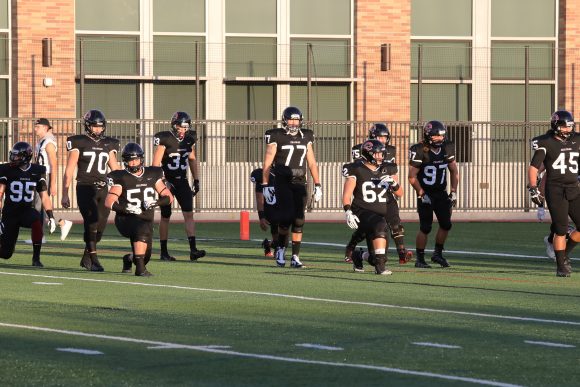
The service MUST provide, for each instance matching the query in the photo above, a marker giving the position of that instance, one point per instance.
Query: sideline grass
(236, 299)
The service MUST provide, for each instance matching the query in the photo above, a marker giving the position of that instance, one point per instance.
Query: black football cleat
(96, 265)
(144, 274)
(127, 263)
(167, 257)
(421, 264)
(405, 256)
(86, 261)
(37, 263)
(267, 246)
(196, 254)
(438, 258)
(357, 261)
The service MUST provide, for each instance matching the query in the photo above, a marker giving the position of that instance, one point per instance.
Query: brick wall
(31, 22)
(383, 95)
(569, 56)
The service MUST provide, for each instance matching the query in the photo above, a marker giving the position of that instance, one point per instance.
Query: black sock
(570, 244)
(438, 248)
(296, 247)
(36, 251)
(420, 255)
(139, 264)
(192, 246)
(163, 244)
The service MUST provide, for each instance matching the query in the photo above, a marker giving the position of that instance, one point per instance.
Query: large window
(329, 103)
(247, 102)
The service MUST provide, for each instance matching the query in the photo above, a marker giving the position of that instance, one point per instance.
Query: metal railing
(493, 157)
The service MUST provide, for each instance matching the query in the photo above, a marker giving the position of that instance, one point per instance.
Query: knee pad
(6, 253)
(165, 211)
(283, 228)
(297, 225)
(446, 225)
(397, 231)
(425, 229)
(380, 234)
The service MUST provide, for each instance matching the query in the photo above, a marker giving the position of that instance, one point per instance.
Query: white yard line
(80, 350)
(548, 344)
(319, 346)
(265, 357)
(435, 345)
(303, 298)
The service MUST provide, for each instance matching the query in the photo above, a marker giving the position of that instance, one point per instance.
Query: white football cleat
(295, 262)
(65, 229)
(549, 249)
(280, 260)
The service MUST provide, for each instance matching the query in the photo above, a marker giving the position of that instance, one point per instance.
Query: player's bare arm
(312, 165)
(71, 164)
(51, 152)
(113, 162)
(454, 175)
(158, 155)
(268, 160)
(413, 172)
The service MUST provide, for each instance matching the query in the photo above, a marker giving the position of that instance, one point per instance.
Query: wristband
(50, 214)
(346, 207)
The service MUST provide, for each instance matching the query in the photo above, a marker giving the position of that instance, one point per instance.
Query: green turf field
(499, 316)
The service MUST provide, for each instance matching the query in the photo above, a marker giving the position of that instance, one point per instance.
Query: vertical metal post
(197, 83)
(81, 76)
(527, 134)
(308, 81)
(527, 84)
(419, 82)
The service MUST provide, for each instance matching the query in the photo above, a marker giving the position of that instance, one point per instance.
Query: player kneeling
(132, 193)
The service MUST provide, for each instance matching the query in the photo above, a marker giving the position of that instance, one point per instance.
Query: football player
(46, 156)
(368, 189)
(175, 153)
(132, 195)
(267, 211)
(94, 154)
(558, 151)
(380, 131)
(430, 161)
(19, 181)
(288, 152)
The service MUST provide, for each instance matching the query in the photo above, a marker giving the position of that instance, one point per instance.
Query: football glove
(51, 225)
(317, 193)
(133, 209)
(352, 220)
(453, 199)
(195, 187)
(269, 194)
(541, 214)
(425, 199)
(149, 204)
(386, 182)
(535, 196)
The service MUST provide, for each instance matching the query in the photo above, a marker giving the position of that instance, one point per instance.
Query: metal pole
(197, 83)
(419, 82)
(527, 135)
(308, 82)
(81, 76)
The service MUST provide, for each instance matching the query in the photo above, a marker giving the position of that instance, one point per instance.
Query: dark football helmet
(21, 154)
(94, 118)
(292, 113)
(133, 151)
(431, 129)
(369, 148)
(562, 118)
(379, 130)
(180, 119)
